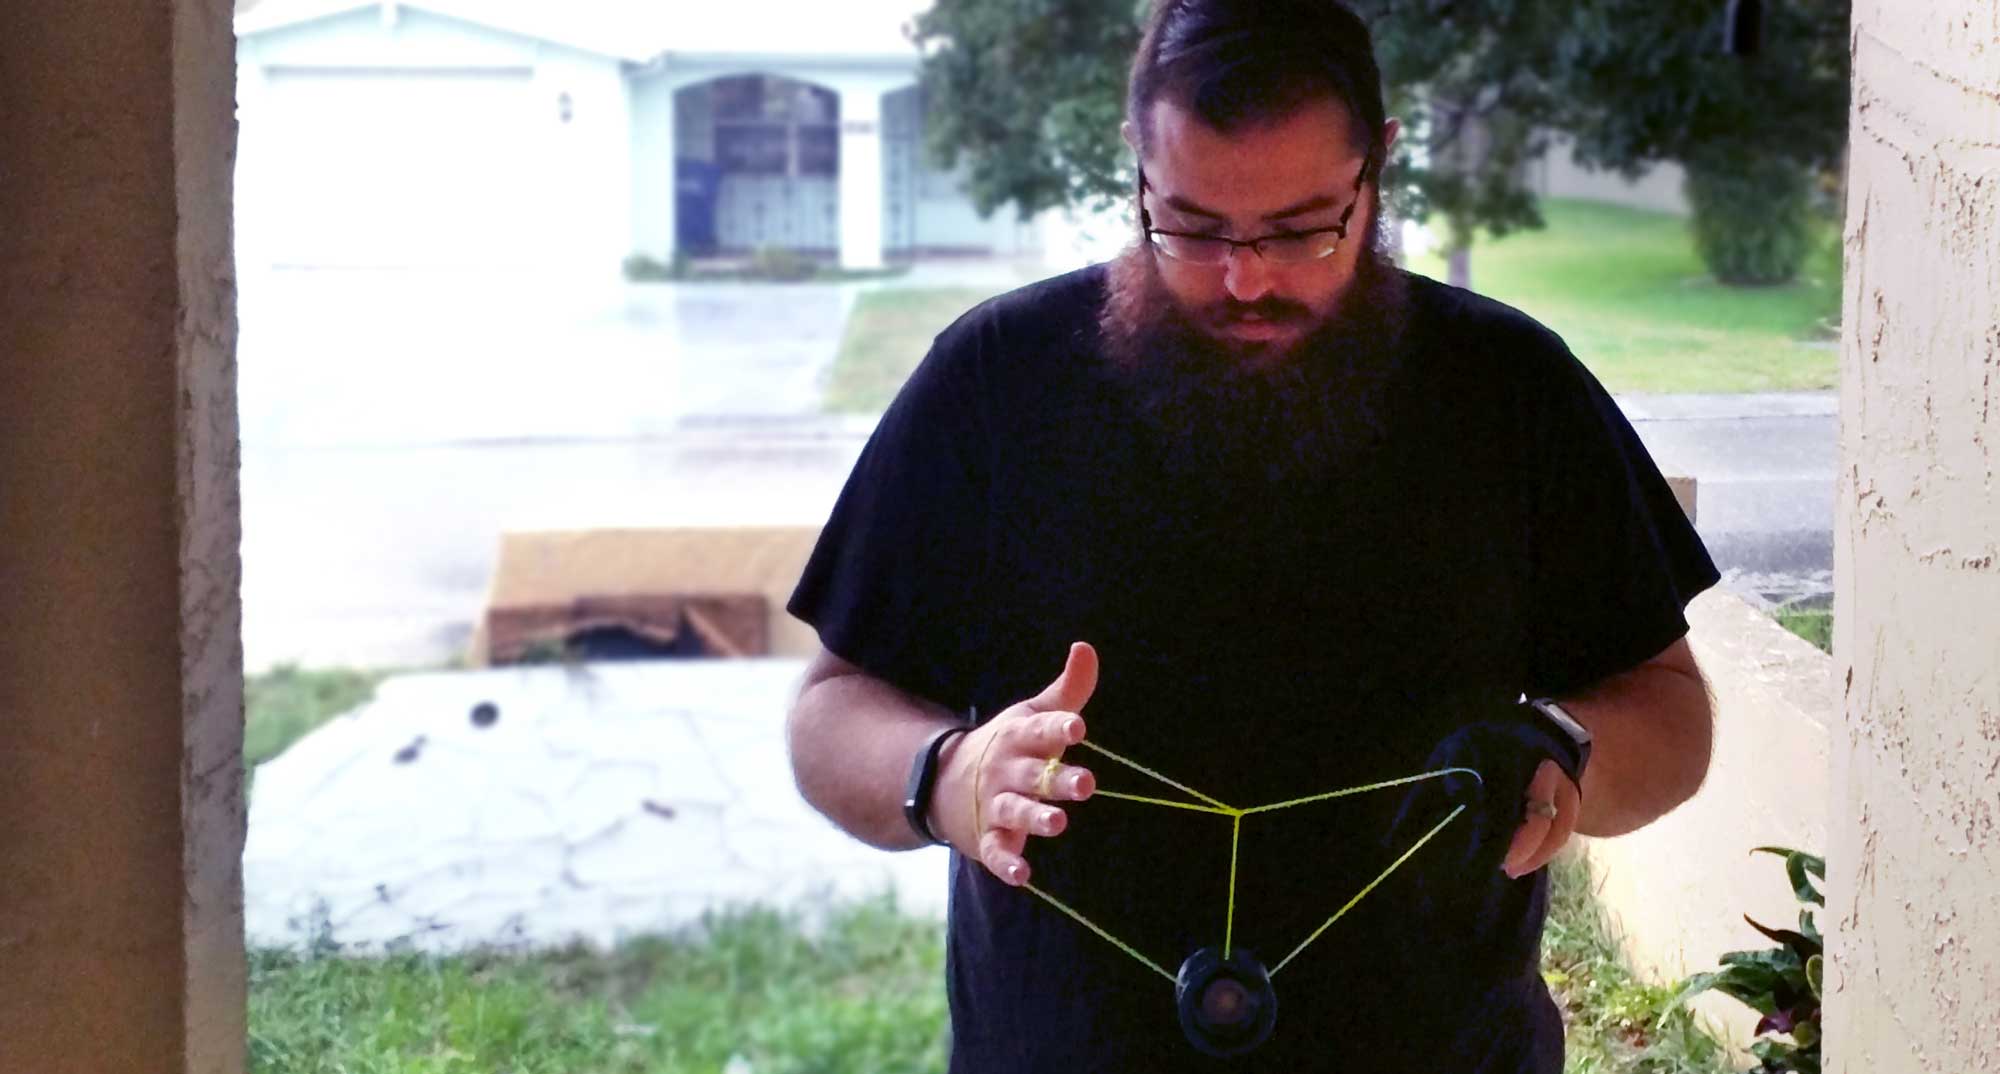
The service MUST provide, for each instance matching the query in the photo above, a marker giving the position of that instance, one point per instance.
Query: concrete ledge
(1677, 891)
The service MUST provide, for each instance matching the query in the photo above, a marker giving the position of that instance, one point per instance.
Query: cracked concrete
(604, 801)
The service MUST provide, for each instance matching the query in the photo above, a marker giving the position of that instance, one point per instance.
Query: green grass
(1616, 1021)
(286, 703)
(864, 996)
(1813, 624)
(887, 334)
(1628, 293)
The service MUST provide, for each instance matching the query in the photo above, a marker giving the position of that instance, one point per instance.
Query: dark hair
(1236, 63)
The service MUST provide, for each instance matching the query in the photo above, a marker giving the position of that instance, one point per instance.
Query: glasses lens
(1201, 251)
(1287, 249)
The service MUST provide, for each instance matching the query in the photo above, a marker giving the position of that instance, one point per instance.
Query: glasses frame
(1254, 245)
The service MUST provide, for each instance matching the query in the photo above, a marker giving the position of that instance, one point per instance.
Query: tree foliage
(1030, 93)
(1646, 80)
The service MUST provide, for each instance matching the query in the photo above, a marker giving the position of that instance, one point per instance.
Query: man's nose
(1246, 274)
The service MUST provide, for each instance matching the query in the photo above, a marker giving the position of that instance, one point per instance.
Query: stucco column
(1913, 910)
(861, 177)
(121, 703)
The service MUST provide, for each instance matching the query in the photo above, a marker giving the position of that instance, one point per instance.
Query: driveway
(394, 423)
(409, 358)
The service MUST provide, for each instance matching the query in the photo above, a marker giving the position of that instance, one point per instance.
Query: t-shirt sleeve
(893, 585)
(1613, 558)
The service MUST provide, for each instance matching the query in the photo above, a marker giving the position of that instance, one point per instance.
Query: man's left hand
(1541, 836)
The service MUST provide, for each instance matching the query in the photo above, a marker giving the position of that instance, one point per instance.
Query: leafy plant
(1782, 983)
(1752, 218)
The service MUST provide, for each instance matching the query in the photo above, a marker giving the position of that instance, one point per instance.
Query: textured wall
(1914, 905)
(120, 689)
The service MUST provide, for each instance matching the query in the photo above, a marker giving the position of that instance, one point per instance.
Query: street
(395, 424)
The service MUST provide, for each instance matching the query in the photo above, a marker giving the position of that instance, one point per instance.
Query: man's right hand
(996, 783)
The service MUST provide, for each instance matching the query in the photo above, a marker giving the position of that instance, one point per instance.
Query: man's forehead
(1261, 169)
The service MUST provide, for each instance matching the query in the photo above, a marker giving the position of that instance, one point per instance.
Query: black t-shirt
(1506, 534)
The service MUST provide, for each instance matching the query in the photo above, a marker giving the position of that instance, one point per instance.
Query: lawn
(1813, 624)
(751, 991)
(1623, 287)
(759, 991)
(286, 703)
(1627, 292)
(887, 335)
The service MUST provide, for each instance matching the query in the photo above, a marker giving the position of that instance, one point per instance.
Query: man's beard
(1244, 415)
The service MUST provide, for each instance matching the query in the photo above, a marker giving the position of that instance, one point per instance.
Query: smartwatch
(1565, 729)
(923, 780)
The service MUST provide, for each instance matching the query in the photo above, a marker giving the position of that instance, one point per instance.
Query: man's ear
(1130, 135)
(1391, 129)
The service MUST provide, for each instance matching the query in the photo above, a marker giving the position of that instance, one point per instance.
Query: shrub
(1752, 217)
(780, 264)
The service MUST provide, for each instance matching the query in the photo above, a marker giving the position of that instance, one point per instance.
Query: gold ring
(1042, 787)
(1546, 810)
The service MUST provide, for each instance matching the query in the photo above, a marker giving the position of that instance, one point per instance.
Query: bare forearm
(852, 737)
(1652, 729)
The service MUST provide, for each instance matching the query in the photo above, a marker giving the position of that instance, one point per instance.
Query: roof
(640, 30)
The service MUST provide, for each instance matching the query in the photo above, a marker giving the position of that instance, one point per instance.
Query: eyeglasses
(1279, 247)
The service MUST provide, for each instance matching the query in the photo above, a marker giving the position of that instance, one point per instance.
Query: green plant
(642, 269)
(1782, 983)
(780, 264)
(1752, 217)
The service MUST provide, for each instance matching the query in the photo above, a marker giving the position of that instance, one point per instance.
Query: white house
(575, 134)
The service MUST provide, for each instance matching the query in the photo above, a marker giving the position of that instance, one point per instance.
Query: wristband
(923, 780)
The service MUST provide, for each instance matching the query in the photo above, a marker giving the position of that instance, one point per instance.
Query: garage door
(395, 168)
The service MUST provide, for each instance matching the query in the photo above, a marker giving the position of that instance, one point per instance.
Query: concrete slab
(592, 803)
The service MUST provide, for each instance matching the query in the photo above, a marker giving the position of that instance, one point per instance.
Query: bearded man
(1290, 520)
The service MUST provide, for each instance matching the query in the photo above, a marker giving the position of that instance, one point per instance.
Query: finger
(1569, 808)
(1032, 776)
(1533, 833)
(1000, 851)
(1072, 688)
(1047, 734)
(1024, 814)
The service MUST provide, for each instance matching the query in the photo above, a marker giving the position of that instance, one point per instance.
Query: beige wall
(1658, 189)
(1676, 890)
(1914, 907)
(120, 680)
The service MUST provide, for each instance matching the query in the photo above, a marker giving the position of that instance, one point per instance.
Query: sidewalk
(537, 806)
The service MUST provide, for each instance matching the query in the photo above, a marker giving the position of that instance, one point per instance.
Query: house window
(766, 125)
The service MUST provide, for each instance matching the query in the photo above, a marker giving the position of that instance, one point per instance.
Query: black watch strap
(923, 780)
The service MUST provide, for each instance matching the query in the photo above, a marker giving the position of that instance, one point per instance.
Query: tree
(1647, 80)
(1029, 94)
